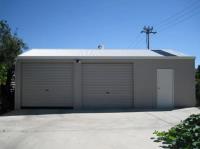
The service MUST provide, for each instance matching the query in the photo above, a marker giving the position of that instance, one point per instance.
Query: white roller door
(47, 85)
(107, 85)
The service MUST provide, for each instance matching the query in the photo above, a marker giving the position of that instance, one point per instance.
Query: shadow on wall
(45, 111)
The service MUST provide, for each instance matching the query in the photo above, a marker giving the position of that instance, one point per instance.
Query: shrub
(185, 135)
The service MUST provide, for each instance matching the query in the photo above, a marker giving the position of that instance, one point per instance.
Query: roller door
(107, 85)
(47, 85)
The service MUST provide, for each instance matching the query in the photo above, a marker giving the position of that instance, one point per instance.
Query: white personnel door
(165, 88)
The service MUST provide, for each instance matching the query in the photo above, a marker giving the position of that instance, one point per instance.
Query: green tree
(10, 46)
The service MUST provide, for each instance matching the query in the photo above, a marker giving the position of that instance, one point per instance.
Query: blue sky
(114, 23)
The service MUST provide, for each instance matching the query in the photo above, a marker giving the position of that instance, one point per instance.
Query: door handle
(107, 92)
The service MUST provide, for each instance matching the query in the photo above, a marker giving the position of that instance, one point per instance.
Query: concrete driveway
(59, 129)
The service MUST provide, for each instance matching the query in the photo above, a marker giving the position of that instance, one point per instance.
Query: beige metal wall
(144, 76)
(146, 81)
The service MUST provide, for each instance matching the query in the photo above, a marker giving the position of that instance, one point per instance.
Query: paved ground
(59, 129)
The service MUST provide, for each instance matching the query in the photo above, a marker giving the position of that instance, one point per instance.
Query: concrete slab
(59, 128)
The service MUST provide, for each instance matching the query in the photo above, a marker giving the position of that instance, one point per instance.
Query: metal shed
(104, 78)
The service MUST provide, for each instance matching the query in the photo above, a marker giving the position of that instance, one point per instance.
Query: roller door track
(47, 85)
(107, 85)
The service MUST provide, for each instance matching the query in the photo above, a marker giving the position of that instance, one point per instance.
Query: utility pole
(148, 30)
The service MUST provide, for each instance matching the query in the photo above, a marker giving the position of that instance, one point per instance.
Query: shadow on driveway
(44, 111)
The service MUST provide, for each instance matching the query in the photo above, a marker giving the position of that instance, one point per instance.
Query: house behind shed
(104, 78)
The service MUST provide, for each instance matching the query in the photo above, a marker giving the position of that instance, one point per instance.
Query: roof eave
(105, 57)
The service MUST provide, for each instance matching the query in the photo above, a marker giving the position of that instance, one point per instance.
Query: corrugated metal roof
(97, 53)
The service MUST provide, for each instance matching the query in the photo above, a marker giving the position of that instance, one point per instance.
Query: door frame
(172, 106)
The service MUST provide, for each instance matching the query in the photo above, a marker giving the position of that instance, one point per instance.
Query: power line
(180, 20)
(180, 16)
(185, 11)
(134, 41)
(139, 40)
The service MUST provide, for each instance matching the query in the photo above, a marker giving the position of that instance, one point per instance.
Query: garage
(47, 85)
(107, 85)
(104, 78)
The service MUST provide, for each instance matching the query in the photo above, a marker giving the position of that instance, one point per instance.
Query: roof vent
(100, 46)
